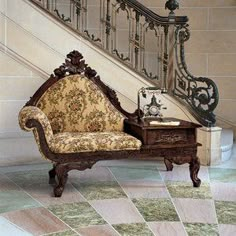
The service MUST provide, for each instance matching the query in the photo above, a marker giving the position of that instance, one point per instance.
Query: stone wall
(17, 83)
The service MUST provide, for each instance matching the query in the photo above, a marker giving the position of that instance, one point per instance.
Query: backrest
(76, 104)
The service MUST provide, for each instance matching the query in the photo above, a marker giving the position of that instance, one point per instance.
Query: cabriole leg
(62, 170)
(194, 168)
(52, 175)
(169, 165)
(62, 174)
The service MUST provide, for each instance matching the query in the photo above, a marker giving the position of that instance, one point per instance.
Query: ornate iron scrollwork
(172, 5)
(78, 6)
(121, 55)
(123, 8)
(149, 75)
(200, 93)
(92, 37)
(62, 16)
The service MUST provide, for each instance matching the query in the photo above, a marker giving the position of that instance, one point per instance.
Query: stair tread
(226, 139)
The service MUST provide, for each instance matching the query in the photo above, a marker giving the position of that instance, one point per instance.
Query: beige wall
(211, 49)
(17, 83)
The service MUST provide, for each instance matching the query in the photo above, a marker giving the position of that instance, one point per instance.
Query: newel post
(171, 5)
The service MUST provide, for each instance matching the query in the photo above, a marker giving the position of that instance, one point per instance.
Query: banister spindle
(165, 59)
(78, 9)
(48, 5)
(136, 40)
(108, 25)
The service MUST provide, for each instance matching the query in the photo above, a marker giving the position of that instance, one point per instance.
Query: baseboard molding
(19, 151)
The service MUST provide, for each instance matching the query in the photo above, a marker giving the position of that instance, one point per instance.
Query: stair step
(227, 137)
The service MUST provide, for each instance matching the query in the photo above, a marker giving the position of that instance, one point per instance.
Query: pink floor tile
(167, 228)
(223, 191)
(103, 230)
(196, 210)
(144, 189)
(227, 230)
(36, 221)
(117, 211)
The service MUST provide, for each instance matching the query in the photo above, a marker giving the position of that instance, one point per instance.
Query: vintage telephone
(152, 109)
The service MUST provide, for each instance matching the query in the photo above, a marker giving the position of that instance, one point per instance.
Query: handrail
(143, 10)
(199, 93)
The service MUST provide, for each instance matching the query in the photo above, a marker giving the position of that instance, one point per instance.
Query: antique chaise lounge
(77, 120)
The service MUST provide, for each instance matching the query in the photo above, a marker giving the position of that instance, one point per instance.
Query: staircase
(53, 28)
(227, 137)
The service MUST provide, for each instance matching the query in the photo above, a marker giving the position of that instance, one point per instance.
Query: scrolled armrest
(34, 113)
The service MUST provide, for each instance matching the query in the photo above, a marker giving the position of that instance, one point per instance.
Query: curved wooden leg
(169, 165)
(61, 173)
(62, 170)
(52, 175)
(194, 168)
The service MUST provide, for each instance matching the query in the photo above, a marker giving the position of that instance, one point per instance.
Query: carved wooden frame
(64, 162)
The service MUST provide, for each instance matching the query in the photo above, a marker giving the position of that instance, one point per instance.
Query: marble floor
(127, 198)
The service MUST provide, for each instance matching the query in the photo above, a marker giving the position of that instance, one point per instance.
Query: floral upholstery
(76, 104)
(31, 112)
(77, 117)
(70, 142)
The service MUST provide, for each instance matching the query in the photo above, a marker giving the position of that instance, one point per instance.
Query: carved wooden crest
(74, 64)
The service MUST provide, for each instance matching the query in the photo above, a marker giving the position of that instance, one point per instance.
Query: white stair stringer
(21, 60)
(227, 138)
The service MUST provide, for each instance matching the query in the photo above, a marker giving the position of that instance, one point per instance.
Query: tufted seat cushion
(72, 142)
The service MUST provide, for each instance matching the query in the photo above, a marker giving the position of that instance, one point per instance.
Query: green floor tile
(122, 173)
(16, 200)
(199, 229)
(77, 214)
(100, 190)
(64, 233)
(222, 175)
(156, 209)
(226, 212)
(138, 229)
(186, 190)
(26, 178)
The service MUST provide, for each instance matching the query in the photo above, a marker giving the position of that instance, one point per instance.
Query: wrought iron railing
(144, 41)
(200, 93)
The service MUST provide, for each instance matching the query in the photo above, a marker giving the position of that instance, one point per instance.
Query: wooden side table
(177, 144)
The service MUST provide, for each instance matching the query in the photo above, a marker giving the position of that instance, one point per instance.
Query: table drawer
(167, 136)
